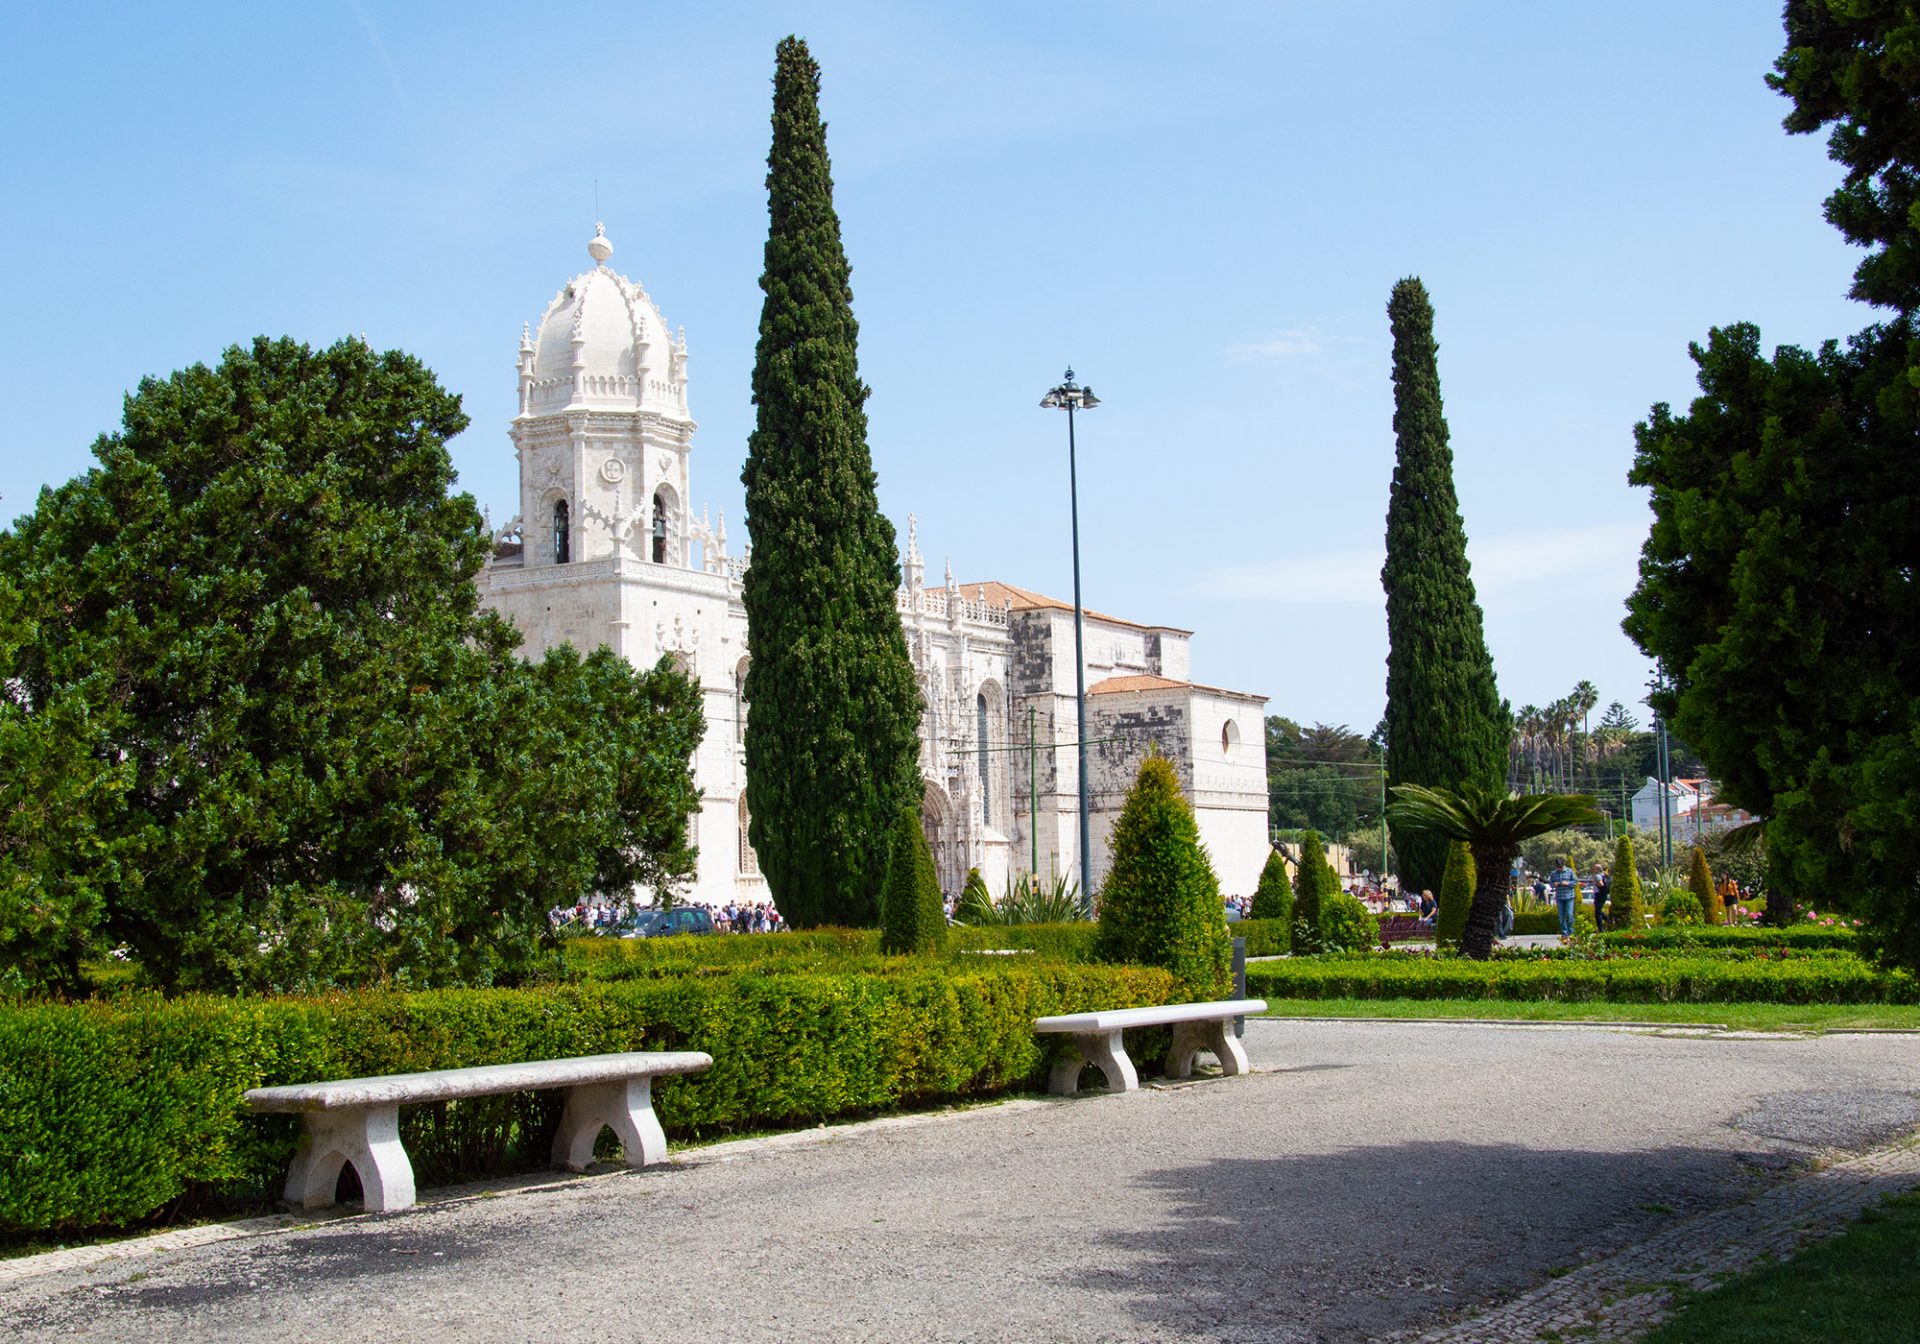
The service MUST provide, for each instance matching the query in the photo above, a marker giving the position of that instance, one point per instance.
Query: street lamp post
(1071, 397)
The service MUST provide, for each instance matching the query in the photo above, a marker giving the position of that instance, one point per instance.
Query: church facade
(606, 549)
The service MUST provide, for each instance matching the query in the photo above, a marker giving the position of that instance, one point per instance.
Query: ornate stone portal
(606, 550)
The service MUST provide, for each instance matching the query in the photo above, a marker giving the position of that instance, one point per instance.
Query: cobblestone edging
(1625, 1295)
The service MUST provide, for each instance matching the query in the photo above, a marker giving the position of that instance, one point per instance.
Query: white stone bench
(357, 1120)
(1097, 1041)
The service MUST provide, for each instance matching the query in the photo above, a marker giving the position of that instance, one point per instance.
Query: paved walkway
(1371, 1180)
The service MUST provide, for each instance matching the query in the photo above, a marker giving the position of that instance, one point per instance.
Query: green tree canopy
(1445, 725)
(1775, 589)
(244, 653)
(1855, 66)
(1325, 777)
(832, 706)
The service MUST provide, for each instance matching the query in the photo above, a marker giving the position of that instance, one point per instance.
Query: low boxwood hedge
(112, 1112)
(1749, 936)
(1662, 979)
(821, 950)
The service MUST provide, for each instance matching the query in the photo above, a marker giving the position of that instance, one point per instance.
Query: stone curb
(1625, 1295)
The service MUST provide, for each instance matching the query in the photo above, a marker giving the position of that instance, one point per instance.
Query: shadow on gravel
(1354, 1245)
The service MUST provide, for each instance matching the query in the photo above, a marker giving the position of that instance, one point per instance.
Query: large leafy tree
(243, 657)
(1493, 823)
(1776, 586)
(1776, 589)
(1445, 724)
(833, 709)
(1324, 777)
(1854, 65)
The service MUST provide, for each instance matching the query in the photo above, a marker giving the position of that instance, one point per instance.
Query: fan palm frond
(1483, 816)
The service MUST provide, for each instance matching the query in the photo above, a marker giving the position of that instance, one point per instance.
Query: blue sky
(1203, 209)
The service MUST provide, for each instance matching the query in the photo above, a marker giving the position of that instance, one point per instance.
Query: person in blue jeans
(1566, 890)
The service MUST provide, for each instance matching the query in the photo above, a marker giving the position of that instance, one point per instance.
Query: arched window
(749, 861)
(659, 530)
(562, 542)
(740, 701)
(1229, 736)
(986, 761)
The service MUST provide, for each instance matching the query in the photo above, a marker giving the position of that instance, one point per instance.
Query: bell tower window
(562, 541)
(659, 530)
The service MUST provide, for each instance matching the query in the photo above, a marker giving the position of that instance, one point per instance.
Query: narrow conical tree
(1456, 895)
(913, 917)
(1160, 904)
(1445, 725)
(1273, 898)
(833, 710)
(1626, 906)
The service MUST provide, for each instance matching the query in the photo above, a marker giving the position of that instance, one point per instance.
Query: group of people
(745, 917)
(1562, 886)
(609, 916)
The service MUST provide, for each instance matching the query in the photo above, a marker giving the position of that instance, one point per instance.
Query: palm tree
(1493, 825)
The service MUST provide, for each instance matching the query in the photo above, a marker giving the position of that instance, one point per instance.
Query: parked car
(665, 923)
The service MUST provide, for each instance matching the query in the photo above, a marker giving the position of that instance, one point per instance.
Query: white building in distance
(606, 549)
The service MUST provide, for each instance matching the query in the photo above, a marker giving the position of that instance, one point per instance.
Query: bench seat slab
(625, 1107)
(369, 1139)
(1102, 1049)
(1190, 1038)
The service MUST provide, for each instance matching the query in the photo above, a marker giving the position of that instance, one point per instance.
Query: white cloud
(1287, 344)
(1502, 565)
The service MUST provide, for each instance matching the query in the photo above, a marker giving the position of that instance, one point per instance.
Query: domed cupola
(602, 345)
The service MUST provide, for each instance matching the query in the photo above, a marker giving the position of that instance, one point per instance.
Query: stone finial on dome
(600, 248)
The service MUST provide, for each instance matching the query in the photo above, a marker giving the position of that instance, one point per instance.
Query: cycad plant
(1493, 823)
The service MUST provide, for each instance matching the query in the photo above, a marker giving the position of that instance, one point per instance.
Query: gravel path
(1368, 1180)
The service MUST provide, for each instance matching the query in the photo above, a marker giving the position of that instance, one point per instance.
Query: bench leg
(1105, 1051)
(624, 1107)
(369, 1139)
(1190, 1038)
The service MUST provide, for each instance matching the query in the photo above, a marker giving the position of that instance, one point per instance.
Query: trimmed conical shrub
(1273, 898)
(833, 710)
(1456, 895)
(1700, 882)
(1626, 905)
(1160, 905)
(1317, 883)
(913, 918)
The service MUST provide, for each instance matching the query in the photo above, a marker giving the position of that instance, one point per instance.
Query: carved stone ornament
(613, 471)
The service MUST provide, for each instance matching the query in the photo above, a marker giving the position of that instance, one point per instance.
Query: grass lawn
(1862, 1286)
(1741, 1016)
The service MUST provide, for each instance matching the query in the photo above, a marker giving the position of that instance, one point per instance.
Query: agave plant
(1493, 824)
(1024, 901)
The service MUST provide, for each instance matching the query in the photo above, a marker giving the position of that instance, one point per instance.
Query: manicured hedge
(1265, 937)
(816, 950)
(1687, 937)
(1664, 979)
(111, 1112)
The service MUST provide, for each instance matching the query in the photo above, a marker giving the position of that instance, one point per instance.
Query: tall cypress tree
(833, 711)
(1445, 724)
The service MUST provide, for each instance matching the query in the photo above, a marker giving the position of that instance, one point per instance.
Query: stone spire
(913, 565)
